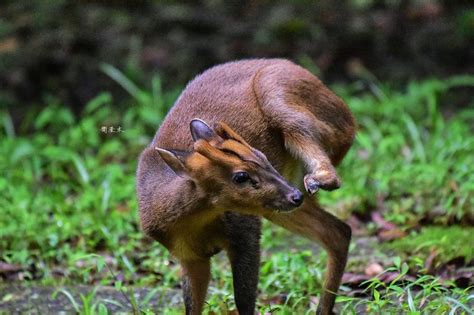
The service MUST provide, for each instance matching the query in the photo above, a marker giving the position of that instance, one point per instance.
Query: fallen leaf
(390, 235)
(378, 219)
(6, 268)
(354, 279)
(356, 225)
(430, 262)
(373, 269)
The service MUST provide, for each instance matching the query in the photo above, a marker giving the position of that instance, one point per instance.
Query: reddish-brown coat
(277, 107)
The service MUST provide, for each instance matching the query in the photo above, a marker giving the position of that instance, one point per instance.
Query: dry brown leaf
(373, 269)
(390, 235)
(6, 268)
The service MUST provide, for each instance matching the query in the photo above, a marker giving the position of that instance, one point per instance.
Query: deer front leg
(314, 223)
(321, 172)
(243, 232)
(196, 275)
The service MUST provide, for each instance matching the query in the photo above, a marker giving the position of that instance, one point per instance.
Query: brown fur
(296, 122)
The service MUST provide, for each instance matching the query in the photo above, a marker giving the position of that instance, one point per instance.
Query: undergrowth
(67, 197)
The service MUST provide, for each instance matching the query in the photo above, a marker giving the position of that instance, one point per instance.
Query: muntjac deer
(206, 190)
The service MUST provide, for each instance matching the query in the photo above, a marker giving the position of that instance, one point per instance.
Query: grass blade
(122, 80)
(70, 298)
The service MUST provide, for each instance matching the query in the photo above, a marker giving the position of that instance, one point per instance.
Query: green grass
(444, 241)
(409, 156)
(67, 198)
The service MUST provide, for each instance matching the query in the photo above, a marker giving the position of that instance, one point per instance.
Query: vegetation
(396, 40)
(67, 198)
(407, 158)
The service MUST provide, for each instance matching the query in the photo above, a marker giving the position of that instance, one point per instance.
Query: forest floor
(70, 238)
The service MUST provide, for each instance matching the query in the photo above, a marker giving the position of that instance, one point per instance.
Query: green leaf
(376, 295)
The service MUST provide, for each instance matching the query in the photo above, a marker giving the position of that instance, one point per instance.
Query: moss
(449, 242)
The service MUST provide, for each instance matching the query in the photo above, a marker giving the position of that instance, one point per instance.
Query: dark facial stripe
(227, 151)
(230, 152)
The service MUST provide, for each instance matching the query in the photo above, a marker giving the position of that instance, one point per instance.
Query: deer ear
(201, 130)
(172, 160)
(226, 133)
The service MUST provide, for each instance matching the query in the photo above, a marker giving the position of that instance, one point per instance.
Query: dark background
(72, 72)
(56, 47)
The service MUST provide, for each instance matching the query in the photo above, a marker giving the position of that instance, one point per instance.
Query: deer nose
(296, 198)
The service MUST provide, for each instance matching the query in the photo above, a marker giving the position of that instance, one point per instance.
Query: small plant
(66, 187)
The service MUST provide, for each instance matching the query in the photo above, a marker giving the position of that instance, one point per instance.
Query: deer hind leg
(304, 136)
(321, 172)
(314, 223)
(196, 275)
(316, 125)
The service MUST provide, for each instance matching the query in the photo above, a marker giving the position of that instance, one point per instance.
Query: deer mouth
(280, 207)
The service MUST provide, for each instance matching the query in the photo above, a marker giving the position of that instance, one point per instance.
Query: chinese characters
(111, 129)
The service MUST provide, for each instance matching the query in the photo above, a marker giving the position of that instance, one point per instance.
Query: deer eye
(240, 177)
